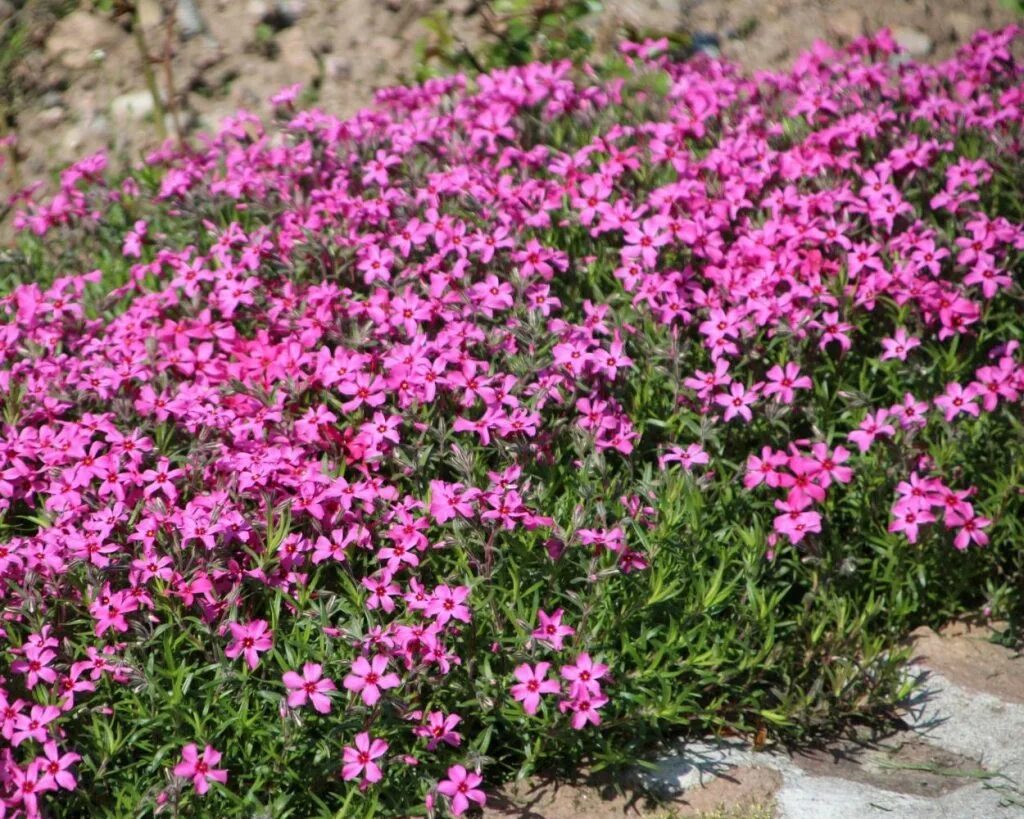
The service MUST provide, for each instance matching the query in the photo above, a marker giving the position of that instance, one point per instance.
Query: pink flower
(834, 330)
(312, 685)
(971, 526)
(440, 728)
(911, 412)
(249, 639)
(584, 674)
(794, 522)
(33, 724)
(36, 665)
(765, 468)
(360, 760)
(448, 604)
(958, 399)
(899, 345)
(736, 402)
(783, 381)
(551, 630)
(461, 788)
(908, 520)
(369, 679)
(873, 425)
(584, 705)
(54, 768)
(693, 455)
(532, 683)
(200, 768)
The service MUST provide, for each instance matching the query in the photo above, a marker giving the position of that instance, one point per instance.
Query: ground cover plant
(351, 467)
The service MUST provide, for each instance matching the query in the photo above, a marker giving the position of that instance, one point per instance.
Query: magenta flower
(873, 425)
(736, 402)
(899, 345)
(551, 629)
(584, 707)
(783, 381)
(33, 724)
(36, 665)
(461, 788)
(311, 686)
(250, 640)
(368, 678)
(54, 768)
(832, 329)
(584, 674)
(693, 455)
(532, 683)
(958, 399)
(440, 728)
(360, 760)
(909, 520)
(795, 522)
(448, 604)
(200, 767)
(970, 526)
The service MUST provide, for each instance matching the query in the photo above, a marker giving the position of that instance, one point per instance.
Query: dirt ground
(84, 86)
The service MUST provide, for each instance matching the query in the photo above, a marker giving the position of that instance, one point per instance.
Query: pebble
(915, 42)
(78, 38)
(846, 24)
(134, 106)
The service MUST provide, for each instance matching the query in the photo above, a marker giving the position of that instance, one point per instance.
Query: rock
(257, 8)
(337, 68)
(962, 25)
(846, 24)
(914, 41)
(81, 137)
(282, 14)
(51, 117)
(296, 56)
(705, 42)
(77, 38)
(149, 13)
(134, 106)
(190, 21)
(967, 656)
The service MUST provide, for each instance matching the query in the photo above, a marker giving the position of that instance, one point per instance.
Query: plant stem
(147, 72)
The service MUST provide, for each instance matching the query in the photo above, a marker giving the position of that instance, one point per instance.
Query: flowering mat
(355, 467)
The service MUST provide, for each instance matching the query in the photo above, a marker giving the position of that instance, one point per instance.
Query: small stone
(281, 15)
(846, 25)
(915, 42)
(51, 117)
(149, 13)
(77, 39)
(962, 25)
(337, 68)
(295, 55)
(134, 106)
(190, 21)
(705, 42)
(257, 8)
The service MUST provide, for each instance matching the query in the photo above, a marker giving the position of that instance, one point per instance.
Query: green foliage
(517, 32)
(720, 634)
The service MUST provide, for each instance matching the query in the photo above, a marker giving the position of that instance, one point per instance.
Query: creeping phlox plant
(354, 466)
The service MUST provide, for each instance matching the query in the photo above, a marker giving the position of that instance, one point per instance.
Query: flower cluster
(379, 408)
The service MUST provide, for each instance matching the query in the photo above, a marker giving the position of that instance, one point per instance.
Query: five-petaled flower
(311, 685)
(249, 640)
(200, 767)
